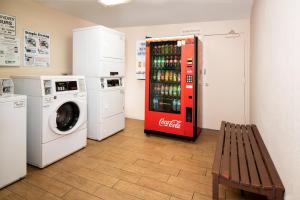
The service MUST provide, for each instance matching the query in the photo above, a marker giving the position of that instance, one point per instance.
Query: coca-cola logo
(169, 123)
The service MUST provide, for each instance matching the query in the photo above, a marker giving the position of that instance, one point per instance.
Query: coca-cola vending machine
(172, 104)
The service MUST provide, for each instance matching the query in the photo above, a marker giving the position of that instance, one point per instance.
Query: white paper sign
(9, 51)
(140, 59)
(7, 25)
(36, 49)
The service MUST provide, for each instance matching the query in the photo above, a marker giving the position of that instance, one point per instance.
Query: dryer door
(67, 118)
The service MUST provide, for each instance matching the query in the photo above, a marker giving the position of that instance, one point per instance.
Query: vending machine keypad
(189, 78)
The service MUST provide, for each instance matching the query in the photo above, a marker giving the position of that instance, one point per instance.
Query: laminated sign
(36, 49)
(9, 51)
(140, 59)
(7, 25)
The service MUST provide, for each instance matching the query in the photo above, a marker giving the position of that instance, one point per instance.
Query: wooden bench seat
(243, 162)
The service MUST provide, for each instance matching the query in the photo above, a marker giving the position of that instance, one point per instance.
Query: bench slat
(264, 176)
(219, 150)
(250, 160)
(242, 159)
(226, 153)
(234, 169)
(267, 159)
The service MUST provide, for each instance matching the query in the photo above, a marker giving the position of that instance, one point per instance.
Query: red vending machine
(172, 104)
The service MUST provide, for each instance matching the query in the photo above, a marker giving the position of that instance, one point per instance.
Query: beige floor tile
(26, 190)
(49, 196)
(79, 195)
(107, 193)
(193, 186)
(139, 191)
(142, 171)
(200, 178)
(12, 196)
(77, 182)
(96, 176)
(198, 196)
(158, 168)
(118, 173)
(165, 188)
(4, 192)
(48, 184)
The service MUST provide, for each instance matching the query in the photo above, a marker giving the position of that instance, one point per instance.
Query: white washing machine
(57, 116)
(106, 114)
(12, 134)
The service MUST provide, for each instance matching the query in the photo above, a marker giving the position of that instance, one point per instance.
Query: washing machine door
(67, 118)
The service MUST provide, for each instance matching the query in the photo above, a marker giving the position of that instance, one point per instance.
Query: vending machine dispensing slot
(189, 115)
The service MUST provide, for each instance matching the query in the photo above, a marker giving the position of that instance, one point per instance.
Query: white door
(223, 80)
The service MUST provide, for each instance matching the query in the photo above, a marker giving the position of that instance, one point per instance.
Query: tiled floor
(127, 166)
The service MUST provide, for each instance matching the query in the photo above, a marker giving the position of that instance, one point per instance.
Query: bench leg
(279, 195)
(215, 187)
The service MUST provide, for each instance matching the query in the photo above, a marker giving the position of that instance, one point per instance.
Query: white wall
(135, 89)
(275, 85)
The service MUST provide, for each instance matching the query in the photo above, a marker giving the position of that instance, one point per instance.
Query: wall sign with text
(9, 51)
(36, 49)
(7, 25)
(140, 59)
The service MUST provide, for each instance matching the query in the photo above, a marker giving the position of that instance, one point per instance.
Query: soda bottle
(166, 61)
(154, 76)
(162, 75)
(175, 61)
(170, 90)
(174, 91)
(171, 62)
(166, 90)
(170, 49)
(178, 106)
(162, 89)
(155, 103)
(178, 90)
(167, 49)
(174, 105)
(155, 89)
(178, 49)
(178, 77)
(160, 104)
(166, 75)
(158, 75)
(175, 77)
(171, 75)
(162, 61)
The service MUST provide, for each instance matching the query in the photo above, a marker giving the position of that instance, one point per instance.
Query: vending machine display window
(165, 77)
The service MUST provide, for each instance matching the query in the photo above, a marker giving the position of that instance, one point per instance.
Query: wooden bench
(243, 162)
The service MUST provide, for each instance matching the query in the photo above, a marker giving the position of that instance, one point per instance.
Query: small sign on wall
(9, 51)
(36, 49)
(7, 25)
(140, 59)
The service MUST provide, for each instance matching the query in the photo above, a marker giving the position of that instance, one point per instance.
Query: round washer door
(67, 116)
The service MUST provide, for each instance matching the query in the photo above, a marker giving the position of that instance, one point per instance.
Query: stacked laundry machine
(12, 133)
(99, 55)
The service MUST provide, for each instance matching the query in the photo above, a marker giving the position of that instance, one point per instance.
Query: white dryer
(12, 134)
(57, 116)
(106, 114)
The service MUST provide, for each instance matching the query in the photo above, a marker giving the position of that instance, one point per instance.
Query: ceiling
(154, 12)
